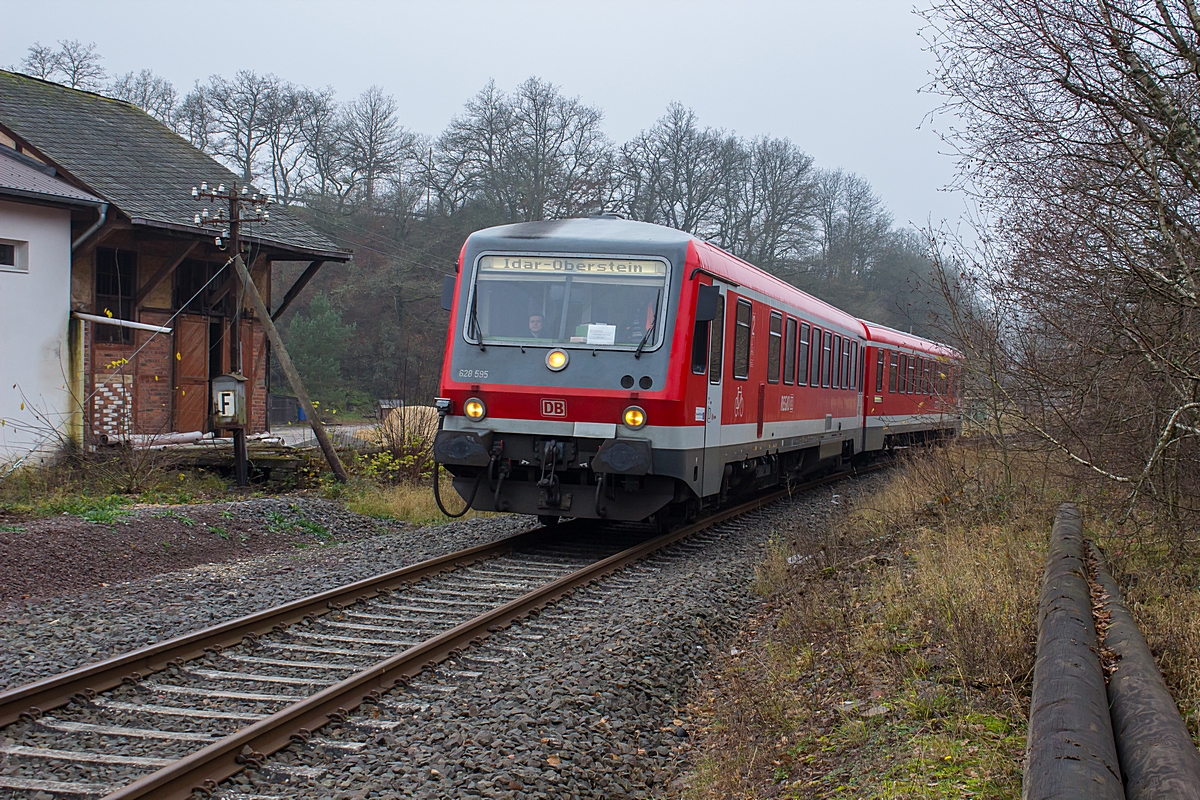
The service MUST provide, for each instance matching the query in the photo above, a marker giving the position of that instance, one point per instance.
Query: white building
(38, 413)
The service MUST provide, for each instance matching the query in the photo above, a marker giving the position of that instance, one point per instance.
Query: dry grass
(407, 502)
(894, 660)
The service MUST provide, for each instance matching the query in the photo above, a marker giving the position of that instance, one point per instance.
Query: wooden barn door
(191, 373)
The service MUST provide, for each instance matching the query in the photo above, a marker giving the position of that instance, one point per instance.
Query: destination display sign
(572, 266)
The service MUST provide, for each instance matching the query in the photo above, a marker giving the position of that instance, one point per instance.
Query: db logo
(554, 408)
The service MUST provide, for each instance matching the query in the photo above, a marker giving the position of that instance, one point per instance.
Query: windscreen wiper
(649, 330)
(475, 320)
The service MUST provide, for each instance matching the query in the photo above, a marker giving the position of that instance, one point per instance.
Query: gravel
(582, 700)
(49, 634)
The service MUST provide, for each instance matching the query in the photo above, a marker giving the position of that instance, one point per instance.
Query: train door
(714, 464)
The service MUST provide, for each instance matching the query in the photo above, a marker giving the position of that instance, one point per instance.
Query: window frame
(803, 357)
(740, 354)
(826, 359)
(774, 346)
(701, 333)
(789, 351)
(716, 343)
(880, 360)
(104, 301)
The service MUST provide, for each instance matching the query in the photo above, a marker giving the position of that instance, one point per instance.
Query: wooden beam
(289, 370)
(297, 288)
(163, 271)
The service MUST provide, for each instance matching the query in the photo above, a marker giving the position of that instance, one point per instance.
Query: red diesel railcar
(613, 369)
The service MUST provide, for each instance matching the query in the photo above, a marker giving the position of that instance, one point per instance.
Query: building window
(802, 356)
(116, 279)
(773, 345)
(14, 256)
(716, 348)
(789, 353)
(741, 340)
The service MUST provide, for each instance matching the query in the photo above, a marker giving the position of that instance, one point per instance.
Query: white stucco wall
(34, 315)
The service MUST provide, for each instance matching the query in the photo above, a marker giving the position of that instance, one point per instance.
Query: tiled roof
(133, 161)
(22, 177)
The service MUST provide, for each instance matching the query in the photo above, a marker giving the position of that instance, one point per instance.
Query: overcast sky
(838, 77)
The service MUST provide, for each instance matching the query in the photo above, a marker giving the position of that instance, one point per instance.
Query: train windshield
(587, 302)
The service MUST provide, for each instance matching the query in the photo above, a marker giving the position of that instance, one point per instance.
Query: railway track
(186, 713)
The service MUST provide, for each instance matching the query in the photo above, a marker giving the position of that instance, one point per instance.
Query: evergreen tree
(316, 342)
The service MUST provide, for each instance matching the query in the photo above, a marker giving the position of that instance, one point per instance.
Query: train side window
(926, 378)
(717, 344)
(826, 359)
(893, 359)
(846, 364)
(880, 355)
(837, 361)
(814, 373)
(789, 353)
(802, 356)
(920, 376)
(700, 347)
(741, 340)
(774, 339)
(900, 377)
(908, 375)
(854, 365)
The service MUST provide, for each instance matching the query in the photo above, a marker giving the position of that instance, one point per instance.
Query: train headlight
(475, 409)
(634, 417)
(556, 360)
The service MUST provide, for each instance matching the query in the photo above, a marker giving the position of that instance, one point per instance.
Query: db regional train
(610, 369)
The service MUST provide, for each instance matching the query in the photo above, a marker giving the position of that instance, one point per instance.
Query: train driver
(537, 326)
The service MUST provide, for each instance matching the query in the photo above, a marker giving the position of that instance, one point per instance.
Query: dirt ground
(69, 553)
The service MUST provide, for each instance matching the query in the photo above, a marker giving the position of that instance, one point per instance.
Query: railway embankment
(894, 653)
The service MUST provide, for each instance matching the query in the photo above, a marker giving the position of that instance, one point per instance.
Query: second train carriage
(613, 369)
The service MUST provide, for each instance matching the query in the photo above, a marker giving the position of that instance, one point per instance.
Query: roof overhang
(42, 199)
(302, 253)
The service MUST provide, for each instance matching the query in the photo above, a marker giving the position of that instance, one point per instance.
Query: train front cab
(747, 380)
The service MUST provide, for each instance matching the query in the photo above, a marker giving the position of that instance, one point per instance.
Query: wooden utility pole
(243, 285)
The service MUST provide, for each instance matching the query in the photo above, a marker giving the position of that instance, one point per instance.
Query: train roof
(611, 234)
(582, 234)
(882, 334)
(751, 277)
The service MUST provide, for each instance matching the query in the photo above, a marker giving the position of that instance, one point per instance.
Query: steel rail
(40, 696)
(203, 769)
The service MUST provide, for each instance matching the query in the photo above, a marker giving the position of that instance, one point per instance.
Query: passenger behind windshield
(585, 302)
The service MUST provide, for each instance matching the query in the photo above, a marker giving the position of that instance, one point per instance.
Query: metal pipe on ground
(1158, 758)
(1071, 754)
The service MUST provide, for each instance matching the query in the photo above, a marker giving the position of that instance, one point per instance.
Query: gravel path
(47, 635)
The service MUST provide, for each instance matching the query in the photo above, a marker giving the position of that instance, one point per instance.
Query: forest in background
(405, 201)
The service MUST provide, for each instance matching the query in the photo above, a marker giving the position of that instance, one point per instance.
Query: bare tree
(674, 172)
(290, 164)
(40, 61)
(79, 64)
(149, 92)
(240, 110)
(374, 138)
(193, 120)
(1081, 139)
(321, 126)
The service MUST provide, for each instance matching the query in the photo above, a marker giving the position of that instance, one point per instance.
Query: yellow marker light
(556, 360)
(475, 409)
(634, 417)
